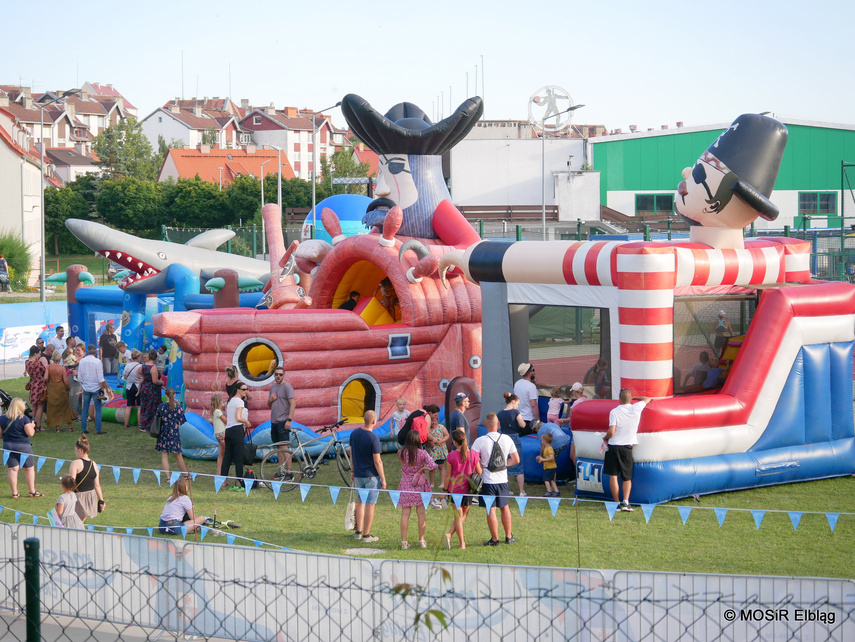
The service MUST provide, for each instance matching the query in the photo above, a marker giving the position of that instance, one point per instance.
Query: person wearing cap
(723, 331)
(621, 436)
(526, 390)
(457, 420)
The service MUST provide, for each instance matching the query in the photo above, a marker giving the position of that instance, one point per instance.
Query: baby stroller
(6, 399)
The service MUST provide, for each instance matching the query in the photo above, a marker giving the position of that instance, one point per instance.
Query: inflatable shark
(148, 260)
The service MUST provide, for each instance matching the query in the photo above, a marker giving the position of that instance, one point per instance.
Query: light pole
(315, 159)
(543, 165)
(64, 94)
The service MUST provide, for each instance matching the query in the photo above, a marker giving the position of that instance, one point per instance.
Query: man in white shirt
(526, 390)
(90, 375)
(58, 341)
(496, 480)
(621, 437)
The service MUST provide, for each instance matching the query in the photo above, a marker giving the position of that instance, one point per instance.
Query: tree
(244, 196)
(129, 203)
(125, 151)
(60, 205)
(340, 165)
(163, 149)
(211, 136)
(196, 203)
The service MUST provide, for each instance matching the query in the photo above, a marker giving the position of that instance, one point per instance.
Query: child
(414, 462)
(547, 458)
(388, 298)
(179, 512)
(437, 449)
(461, 463)
(399, 416)
(67, 503)
(553, 411)
(219, 421)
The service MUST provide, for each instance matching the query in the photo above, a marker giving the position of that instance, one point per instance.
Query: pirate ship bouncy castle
(774, 406)
(406, 334)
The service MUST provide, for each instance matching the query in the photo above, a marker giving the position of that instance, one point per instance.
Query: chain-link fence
(103, 586)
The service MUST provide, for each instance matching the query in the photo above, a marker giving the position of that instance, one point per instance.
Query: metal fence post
(669, 228)
(163, 236)
(311, 231)
(646, 232)
(229, 242)
(519, 232)
(254, 240)
(481, 228)
(787, 231)
(578, 229)
(31, 589)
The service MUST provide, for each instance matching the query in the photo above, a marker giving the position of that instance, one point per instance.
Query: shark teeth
(139, 264)
(118, 255)
(107, 254)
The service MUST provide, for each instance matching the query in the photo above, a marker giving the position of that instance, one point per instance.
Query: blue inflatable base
(663, 481)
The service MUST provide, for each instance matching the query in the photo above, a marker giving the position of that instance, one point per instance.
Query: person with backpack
(497, 452)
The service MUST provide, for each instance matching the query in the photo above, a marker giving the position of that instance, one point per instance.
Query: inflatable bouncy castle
(775, 402)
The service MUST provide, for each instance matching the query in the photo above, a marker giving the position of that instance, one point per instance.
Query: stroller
(6, 399)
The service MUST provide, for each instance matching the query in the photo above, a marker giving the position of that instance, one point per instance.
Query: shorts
(618, 460)
(371, 483)
(549, 474)
(439, 462)
(500, 491)
(278, 432)
(131, 396)
(15, 458)
(516, 469)
(171, 527)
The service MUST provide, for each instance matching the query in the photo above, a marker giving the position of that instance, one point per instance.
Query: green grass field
(576, 536)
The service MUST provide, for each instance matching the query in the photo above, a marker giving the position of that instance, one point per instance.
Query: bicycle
(272, 470)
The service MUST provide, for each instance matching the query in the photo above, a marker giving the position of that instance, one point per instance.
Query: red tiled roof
(368, 156)
(6, 137)
(190, 119)
(234, 162)
(110, 92)
(294, 123)
(86, 106)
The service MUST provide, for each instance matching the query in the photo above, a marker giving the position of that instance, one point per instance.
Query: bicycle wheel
(271, 471)
(343, 462)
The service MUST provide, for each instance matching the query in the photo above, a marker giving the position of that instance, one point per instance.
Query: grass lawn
(627, 542)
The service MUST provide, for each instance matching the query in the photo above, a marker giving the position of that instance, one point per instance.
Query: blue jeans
(84, 417)
(372, 484)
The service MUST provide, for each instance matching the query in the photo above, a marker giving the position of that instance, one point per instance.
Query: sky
(629, 63)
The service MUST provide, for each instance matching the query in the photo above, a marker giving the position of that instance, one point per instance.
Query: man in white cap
(723, 331)
(526, 390)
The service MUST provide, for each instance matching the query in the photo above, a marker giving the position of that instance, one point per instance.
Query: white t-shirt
(527, 392)
(398, 419)
(484, 447)
(626, 418)
(58, 344)
(132, 373)
(219, 426)
(231, 411)
(176, 508)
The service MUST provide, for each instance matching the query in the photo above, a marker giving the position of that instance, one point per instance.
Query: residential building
(361, 154)
(107, 94)
(214, 122)
(68, 164)
(222, 166)
(291, 130)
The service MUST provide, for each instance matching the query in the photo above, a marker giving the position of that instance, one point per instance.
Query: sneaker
(370, 538)
(357, 535)
(548, 494)
(491, 542)
(626, 508)
(435, 503)
(510, 540)
(422, 543)
(522, 494)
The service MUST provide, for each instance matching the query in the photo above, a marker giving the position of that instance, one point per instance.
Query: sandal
(36, 494)
(16, 496)
(422, 543)
(57, 429)
(404, 545)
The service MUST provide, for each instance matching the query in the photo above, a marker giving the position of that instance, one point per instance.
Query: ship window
(256, 359)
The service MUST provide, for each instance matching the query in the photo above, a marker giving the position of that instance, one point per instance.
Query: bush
(17, 255)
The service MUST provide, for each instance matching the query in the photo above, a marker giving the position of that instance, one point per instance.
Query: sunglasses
(278, 374)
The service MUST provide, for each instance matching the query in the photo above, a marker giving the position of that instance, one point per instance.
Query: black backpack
(497, 462)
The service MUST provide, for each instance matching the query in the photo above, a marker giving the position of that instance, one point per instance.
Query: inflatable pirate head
(410, 148)
(732, 181)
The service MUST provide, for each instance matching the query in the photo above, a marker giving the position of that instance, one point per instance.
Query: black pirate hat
(406, 129)
(752, 148)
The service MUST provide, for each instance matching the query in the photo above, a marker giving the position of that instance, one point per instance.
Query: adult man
(367, 472)
(108, 352)
(621, 437)
(350, 304)
(457, 419)
(58, 342)
(280, 400)
(526, 389)
(90, 375)
(496, 480)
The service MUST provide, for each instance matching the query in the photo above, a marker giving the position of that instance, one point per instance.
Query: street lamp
(262, 203)
(543, 164)
(64, 94)
(315, 160)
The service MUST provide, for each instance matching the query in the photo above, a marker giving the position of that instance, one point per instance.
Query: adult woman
(461, 463)
(35, 367)
(87, 481)
(17, 430)
(149, 394)
(58, 407)
(723, 331)
(232, 383)
(414, 461)
(510, 424)
(237, 422)
(179, 512)
(132, 374)
(169, 440)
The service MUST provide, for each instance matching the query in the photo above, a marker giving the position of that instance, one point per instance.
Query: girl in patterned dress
(35, 367)
(169, 440)
(414, 461)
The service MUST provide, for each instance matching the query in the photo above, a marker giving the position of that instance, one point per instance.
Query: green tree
(196, 203)
(244, 196)
(129, 203)
(125, 151)
(17, 255)
(340, 165)
(211, 136)
(163, 149)
(60, 205)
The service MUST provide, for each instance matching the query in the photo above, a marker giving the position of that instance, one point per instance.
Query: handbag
(350, 514)
(43, 396)
(154, 429)
(249, 451)
(27, 386)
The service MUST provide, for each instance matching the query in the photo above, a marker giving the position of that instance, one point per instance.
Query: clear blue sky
(643, 63)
